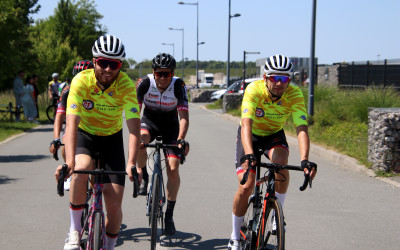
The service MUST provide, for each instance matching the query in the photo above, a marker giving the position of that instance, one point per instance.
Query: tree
(15, 49)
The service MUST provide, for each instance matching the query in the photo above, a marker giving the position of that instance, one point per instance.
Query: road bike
(156, 196)
(93, 234)
(264, 225)
(51, 110)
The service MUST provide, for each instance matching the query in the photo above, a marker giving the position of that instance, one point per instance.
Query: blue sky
(346, 30)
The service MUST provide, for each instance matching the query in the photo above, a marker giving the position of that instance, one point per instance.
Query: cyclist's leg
(146, 131)
(113, 159)
(277, 151)
(240, 200)
(113, 194)
(174, 180)
(280, 155)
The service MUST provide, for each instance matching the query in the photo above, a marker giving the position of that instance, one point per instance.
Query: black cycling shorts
(110, 149)
(169, 133)
(261, 145)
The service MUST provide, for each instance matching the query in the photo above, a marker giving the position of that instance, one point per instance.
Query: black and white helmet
(278, 64)
(109, 47)
(164, 61)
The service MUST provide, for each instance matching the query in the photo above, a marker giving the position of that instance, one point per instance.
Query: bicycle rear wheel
(271, 233)
(155, 206)
(50, 112)
(97, 234)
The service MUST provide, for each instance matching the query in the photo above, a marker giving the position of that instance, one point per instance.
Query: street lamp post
(244, 63)
(229, 43)
(312, 62)
(173, 47)
(197, 41)
(183, 60)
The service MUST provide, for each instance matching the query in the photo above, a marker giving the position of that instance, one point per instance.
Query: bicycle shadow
(5, 180)
(22, 158)
(181, 240)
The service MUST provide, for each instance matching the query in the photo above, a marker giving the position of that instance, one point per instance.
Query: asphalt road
(345, 209)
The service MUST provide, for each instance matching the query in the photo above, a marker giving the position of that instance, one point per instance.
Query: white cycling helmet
(109, 47)
(278, 64)
(54, 75)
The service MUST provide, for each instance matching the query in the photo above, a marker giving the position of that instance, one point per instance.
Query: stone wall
(384, 139)
(231, 101)
(201, 95)
(328, 75)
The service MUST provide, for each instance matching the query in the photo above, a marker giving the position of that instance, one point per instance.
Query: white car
(218, 94)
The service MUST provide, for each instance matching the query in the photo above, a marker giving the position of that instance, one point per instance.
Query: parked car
(217, 94)
(243, 84)
(233, 88)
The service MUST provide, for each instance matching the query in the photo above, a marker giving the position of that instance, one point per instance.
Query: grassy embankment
(7, 128)
(340, 120)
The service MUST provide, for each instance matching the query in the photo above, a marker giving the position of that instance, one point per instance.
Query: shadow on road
(41, 129)
(5, 180)
(22, 158)
(180, 240)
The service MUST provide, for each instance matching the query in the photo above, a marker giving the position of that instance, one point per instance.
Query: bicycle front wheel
(51, 112)
(97, 234)
(155, 206)
(271, 233)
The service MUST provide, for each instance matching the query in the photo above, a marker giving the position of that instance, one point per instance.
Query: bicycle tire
(268, 237)
(155, 204)
(97, 234)
(247, 234)
(50, 112)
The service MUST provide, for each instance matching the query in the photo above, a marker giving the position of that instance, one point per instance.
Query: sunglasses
(277, 78)
(105, 63)
(163, 74)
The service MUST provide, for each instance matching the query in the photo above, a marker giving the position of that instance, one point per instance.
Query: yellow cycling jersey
(268, 116)
(101, 111)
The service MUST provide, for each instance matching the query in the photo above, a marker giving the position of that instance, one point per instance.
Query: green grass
(340, 120)
(7, 128)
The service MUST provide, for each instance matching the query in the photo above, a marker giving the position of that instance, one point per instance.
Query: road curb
(19, 135)
(343, 161)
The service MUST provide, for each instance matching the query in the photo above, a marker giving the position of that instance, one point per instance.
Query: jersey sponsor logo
(134, 110)
(73, 106)
(303, 117)
(245, 111)
(111, 93)
(279, 103)
(96, 90)
(87, 104)
(259, 112)
(153, 96)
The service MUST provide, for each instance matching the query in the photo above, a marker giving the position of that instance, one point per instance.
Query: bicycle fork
(157, 169)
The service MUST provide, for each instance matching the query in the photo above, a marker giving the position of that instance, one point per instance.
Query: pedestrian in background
(28, 100)
(36, 93)
(18, 85)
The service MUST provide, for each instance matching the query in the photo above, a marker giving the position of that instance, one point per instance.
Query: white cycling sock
(281, 198)
(76, 215)
(110, 241)
(236, 223)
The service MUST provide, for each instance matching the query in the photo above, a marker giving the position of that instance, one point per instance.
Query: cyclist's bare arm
(70, 141)
(304, 146)
(134, 144)
(58, 122)
(183, 126)
(183, 123)
(246, 135)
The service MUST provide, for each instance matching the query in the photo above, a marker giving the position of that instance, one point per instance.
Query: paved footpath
(347, 208)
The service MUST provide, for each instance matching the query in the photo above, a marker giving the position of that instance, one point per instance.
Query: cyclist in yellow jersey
(266, 106)
(96, 101)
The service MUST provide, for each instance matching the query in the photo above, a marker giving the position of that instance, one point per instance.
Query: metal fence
(380, 74)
